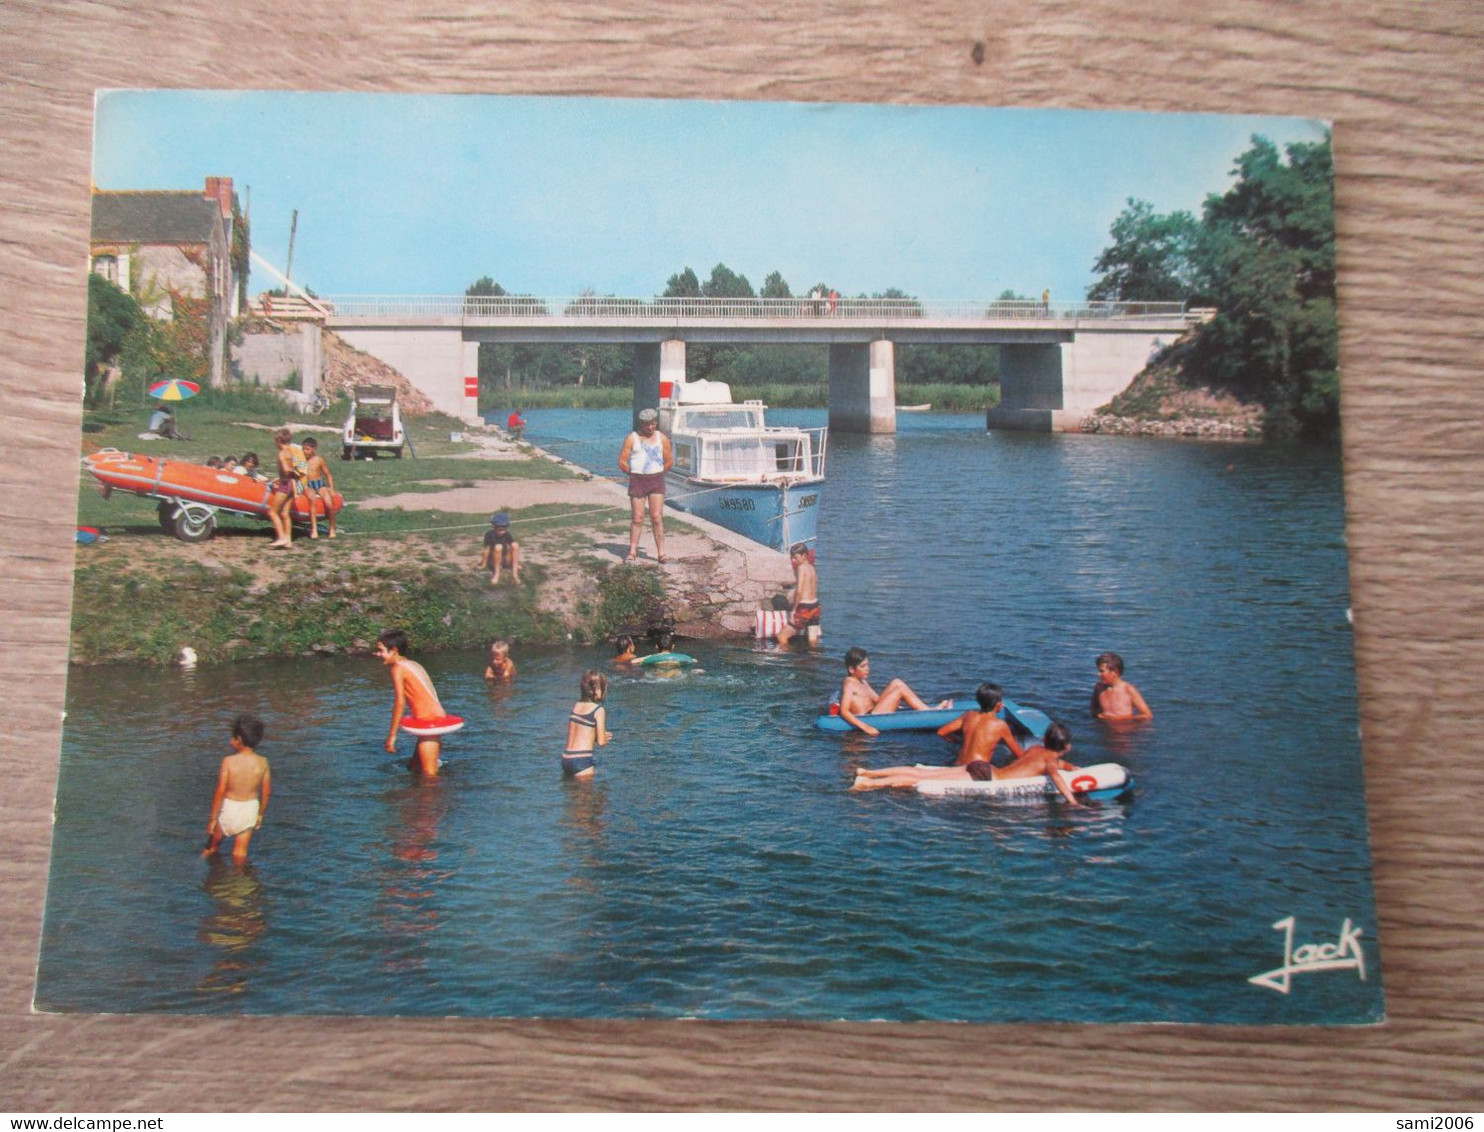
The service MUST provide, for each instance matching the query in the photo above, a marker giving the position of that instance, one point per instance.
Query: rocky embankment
(1194, 428)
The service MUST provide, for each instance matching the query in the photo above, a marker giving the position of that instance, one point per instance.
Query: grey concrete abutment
(862, 381)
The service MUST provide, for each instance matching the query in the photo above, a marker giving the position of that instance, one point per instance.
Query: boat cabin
(720, 441)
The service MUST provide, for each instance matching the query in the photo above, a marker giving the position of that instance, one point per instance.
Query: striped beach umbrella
(174, 389)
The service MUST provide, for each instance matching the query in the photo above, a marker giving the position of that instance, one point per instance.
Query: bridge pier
(655, 362)
(863, 386)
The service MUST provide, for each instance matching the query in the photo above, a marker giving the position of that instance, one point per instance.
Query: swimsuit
(315, 485)
(806, 615)
(282, 486)
(573, 762)
(981, 771)
(237, 817)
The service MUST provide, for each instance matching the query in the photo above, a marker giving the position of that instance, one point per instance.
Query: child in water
(587, 726)
(1113, 697)
(1045, 759)
(242, 789)
(625, 647)
(858, 698)
(412, 691)
(501, 667)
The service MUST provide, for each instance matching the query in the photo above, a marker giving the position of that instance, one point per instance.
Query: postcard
(580, 558)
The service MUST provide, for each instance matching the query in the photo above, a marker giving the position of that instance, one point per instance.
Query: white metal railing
(610, 309)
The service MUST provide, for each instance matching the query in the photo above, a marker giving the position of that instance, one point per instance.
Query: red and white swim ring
(1083, 783)
(426, 728)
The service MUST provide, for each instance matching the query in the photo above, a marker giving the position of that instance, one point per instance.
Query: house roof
(154, 217)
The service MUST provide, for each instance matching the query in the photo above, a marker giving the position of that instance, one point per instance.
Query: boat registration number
(731, 504)
(807, 501)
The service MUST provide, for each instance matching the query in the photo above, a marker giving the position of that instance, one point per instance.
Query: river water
(717, 866)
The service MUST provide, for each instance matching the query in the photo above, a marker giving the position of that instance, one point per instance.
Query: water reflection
(236, 921)
(408, 909)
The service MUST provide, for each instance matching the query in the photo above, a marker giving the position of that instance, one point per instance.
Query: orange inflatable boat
(190, 495)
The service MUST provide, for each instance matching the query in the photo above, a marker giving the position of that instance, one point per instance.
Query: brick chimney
(219, 189)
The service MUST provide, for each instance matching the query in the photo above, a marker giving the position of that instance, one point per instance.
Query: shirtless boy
(1113, 697)
(982, 730)
(858, 698)
(412, 692)
(242, 790)
(804, 617)
(500, 667)
(319, 485)
(1045, 760)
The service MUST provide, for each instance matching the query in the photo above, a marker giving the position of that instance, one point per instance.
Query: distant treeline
(1263, 255)
(506, 371)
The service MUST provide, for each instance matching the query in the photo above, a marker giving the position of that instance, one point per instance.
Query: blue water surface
(717, 866)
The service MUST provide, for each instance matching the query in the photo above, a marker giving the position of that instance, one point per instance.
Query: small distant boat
(190, 495)
(924, 407)
(732, 468)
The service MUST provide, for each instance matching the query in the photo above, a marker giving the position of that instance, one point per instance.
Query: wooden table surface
(1402, 84)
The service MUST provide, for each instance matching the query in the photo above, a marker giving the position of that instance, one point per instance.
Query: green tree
(113, 316)
(1266, 259)
(484, 285)
(1150, 259)
(683, 285)
(775, 287)
(727, 284)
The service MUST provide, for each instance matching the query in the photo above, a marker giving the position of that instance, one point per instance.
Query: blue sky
(423, 194)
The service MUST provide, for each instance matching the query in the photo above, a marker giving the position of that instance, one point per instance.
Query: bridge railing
(607, 308)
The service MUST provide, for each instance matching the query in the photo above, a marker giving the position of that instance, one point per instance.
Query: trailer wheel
(196, 527)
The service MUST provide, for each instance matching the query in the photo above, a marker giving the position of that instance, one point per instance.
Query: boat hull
(776, 515)
(182, 482)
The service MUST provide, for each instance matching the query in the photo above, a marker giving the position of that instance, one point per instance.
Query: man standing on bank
(645, 458)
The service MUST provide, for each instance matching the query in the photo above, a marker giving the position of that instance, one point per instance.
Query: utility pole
(288, 268)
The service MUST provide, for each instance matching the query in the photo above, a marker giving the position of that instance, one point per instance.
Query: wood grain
(1400, 82)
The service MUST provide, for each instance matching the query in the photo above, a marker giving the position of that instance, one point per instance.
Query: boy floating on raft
(1044, 760)
(982, 731)
(413, 691)
(858, 698)
(1113, 697)
(242, 790)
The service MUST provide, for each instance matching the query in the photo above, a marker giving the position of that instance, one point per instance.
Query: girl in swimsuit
(281, 497)
(587, 726)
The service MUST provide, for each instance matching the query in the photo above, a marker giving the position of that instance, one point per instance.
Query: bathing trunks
(237, 817)
(283, 486)
(981, 771)
(806, 615)
(643, 486)
(315, 485)
(575, 762)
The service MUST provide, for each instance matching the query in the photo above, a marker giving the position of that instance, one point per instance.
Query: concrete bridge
(1058, 361)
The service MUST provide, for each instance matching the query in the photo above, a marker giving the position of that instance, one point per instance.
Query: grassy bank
(142, 595)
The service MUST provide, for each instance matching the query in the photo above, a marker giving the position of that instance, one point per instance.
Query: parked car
(374, 424)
